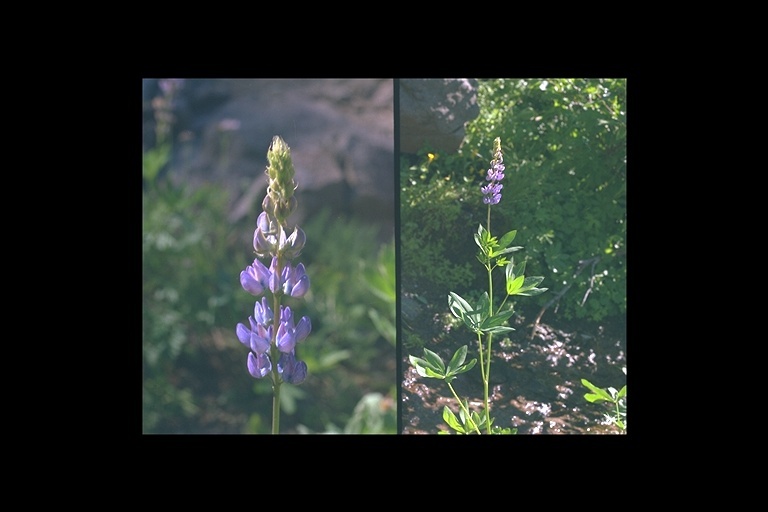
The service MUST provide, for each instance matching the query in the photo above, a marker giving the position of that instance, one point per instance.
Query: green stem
(486, 380)
(487, 372)
(482, 354)
(276, 406)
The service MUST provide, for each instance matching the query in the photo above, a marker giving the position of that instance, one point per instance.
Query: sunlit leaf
(507, 238)
(514, 285)
(452, 421)
(434, 360)
(465, 368)
(457, 360)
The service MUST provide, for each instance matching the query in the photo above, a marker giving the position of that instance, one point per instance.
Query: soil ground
(536, 374)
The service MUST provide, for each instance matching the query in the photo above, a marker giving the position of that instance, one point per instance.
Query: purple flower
(295, 281)
(259, 366)
(255, 278)
(492, 191)
(264, 239)
(257, 338)
(262, 312)
(303, 329)
(274, 277)
(288, 334)
(291, 370)
(295, 243)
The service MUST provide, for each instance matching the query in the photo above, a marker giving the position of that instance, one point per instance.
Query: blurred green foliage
(564, 143)
(194, 368)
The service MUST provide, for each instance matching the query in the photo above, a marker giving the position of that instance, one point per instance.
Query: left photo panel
(268, 256)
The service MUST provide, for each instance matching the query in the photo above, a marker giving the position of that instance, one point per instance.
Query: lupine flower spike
(274, 333)
(492, 191)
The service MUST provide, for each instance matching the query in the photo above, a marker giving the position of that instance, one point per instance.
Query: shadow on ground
(536, 374)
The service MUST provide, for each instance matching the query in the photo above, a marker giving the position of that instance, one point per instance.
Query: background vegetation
(564, 144)
(194, 368)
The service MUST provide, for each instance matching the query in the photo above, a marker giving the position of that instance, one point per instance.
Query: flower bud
(291, 369)
(259, 366)
(294, 243)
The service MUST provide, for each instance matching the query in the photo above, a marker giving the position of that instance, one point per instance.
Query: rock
(433, 112)
(340, 131)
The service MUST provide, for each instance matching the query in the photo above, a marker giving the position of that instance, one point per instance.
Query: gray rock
(340, 131)
(434, 111)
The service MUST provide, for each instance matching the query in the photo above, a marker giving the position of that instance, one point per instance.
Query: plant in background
(274, 332)
(482, 318)
(567, 141)
(617, 400)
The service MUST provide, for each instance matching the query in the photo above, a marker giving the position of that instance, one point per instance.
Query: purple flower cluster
(259, 340)
(273, 337)
(492, 191)
(258, 279)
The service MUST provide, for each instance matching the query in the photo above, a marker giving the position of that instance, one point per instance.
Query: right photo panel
(512, 266)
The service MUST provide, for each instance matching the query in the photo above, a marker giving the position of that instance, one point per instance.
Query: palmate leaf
(435, 360)
(461, 309)
(518, 284)
(456, 366)
(430, 366)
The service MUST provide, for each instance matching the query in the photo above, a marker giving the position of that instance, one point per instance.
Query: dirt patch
(535, 376)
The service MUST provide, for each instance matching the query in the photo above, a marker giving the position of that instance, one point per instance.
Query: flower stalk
(274, 333)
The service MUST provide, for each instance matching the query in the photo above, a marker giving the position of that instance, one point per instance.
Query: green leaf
(531, 282)
(434, 360)
(465, 368)
(498, 329)
(597, 393)
(429, 372)
(482, 305)
(482, 235)
(425, 369)
(478, 240)
(532, 292)
(497, 319)
(509, 271)
(417, 361)
(505, 251)
(528, 289)
(452, 421)
(515, 285)
(458, 305)
(457, 360)
(507, 238)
